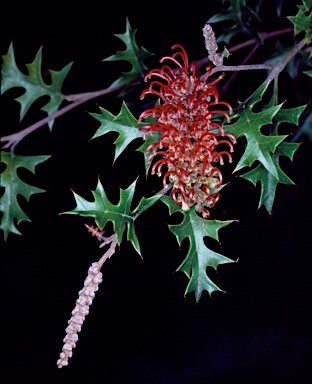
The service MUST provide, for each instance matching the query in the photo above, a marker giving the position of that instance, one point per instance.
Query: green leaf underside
(120, 215)
(124, 123)
(199, 256)
(14, 186)
(33, 83)
(133, 54)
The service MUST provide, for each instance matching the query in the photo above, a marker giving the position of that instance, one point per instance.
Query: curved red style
(189, 139)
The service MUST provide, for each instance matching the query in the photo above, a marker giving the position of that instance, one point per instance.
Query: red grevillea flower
(190, 133)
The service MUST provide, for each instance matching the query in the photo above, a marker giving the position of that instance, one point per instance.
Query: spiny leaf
(120, 215)
(199, 256)
(268, 182)
(260, 173)
(14, 186)
(290, 115)
(259, 147)
(305, 128)
(133, 54)
(124, 123)
(240, 14)
(34, 85)
(303, 19)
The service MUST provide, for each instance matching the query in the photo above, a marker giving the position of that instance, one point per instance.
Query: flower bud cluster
(190, 133)
(86, 295)
(211, 46)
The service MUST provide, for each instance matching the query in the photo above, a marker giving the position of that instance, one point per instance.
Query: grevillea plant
(189, 134)
(188, 131)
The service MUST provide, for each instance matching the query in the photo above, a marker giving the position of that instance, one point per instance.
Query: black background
(140, 328)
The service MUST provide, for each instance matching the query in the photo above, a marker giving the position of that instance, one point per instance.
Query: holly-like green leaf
(133, 55)
(240, 15)
(268, 182)
(33, 83)
(290, 115)
(305, 128)
(120, 214)
(14, 186)
(124, 123)
(259, 147)
(199, 256)
(261, 174)
(303, 19)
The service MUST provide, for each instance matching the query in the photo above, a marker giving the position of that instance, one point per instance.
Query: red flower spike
(190, 132)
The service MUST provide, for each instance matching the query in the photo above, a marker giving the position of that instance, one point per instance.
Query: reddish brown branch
(78, 99)
(15, 138)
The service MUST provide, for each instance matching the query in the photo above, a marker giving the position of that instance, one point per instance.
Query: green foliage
(127, 127)
(199, 256)
(133, 55)
(303, 19)
(259, 147)
(268, 181)
(34, 85)
(305, 128)
(14, 186)
(295, 65)
(265, 149)
(259, 125)
(241, 17)
(120, 215)
(124, 123)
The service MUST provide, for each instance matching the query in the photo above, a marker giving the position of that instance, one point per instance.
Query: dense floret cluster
(189, 119)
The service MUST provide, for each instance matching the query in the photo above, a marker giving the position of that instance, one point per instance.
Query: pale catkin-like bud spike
(77, 319)
(81, 300)
(96, 280)
(87, 281)
(70, 338)
(86, 295)
(211, 46)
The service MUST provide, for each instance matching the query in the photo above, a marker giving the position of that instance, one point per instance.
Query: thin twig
(275, 68)
(232, 77)
(281, 65)
(112, 240)
(273, 75)
(15, 138)
(264, 36)
(250, 67)
(78, 99)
